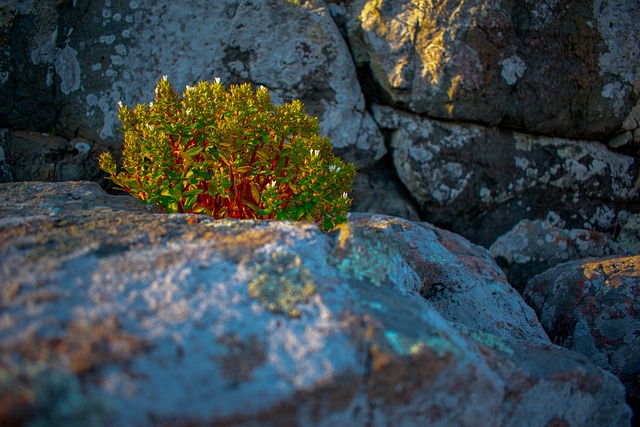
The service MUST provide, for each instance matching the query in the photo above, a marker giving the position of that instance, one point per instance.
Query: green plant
(230, 154)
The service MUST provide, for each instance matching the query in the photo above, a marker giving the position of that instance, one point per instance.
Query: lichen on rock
(281, 283)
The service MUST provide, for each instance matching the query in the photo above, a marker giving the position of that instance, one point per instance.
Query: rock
(35, 156)
(591, 306)
(480, 182)
(532, 247)
(6, 174)
(88, 56)
(556, 68)
(376, 190)
(629, 237)
(115, 315)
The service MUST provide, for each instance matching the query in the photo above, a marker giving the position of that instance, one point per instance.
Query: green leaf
(192, 193)
(251, 205)
(193, 151)
(189, 202)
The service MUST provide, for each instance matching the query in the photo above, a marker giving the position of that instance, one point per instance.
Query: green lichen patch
(281, 283)
(364, 257)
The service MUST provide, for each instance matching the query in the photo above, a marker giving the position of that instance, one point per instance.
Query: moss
(281, 283)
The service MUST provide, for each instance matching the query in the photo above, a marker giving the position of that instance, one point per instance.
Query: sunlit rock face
(591, 306)
(114, 314)
(556, 68)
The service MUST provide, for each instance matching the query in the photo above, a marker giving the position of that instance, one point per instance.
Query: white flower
(188, 111)
(314, 153)
(151, 104)
(217, 80)
(344, 195)
(164, 78)
(120, 104)
(334, 168)
(271, 184)
(188, 88)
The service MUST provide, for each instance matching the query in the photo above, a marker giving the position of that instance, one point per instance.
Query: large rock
(81, 58)
(532, 247)
(557, 68)
(480, 181)
(592, 306)
(115, 315)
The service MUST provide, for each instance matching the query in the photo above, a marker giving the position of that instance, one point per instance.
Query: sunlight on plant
(230, 154)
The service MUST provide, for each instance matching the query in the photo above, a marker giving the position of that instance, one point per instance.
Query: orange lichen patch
(83, 348)
(613, 270)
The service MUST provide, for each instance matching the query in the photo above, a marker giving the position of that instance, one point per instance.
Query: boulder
(592, 306)
(113, 314)
(86, 57)
(533, 246)
(557, 68)
(479, 181)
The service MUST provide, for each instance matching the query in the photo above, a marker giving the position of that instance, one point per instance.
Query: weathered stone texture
(531, 247)
(115, 315)
(89, 57)
(480, 181)
(592, 306)
(558, 68)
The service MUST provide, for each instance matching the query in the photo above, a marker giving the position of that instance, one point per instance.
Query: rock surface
(556, 68)
(592, 306)
(91, 56)
(479, 181)
(532, 247)
(113, 314)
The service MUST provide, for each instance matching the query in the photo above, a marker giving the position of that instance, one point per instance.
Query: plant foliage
(230, 154)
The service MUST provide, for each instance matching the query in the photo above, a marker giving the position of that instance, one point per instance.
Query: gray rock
(93, 55)
(591, 306)
(629, 237)
(560, 69)
(151, 319)
(480, 181)
(533, 246)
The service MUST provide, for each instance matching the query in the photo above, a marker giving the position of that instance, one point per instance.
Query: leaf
(192, 193)
(244, 169)
(189, 202)
(255, 191)
(194, 150)
(251, 205)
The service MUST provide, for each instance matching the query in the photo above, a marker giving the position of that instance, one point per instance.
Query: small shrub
(230, 154)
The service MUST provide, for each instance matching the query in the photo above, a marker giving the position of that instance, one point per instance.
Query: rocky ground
(114, 314)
